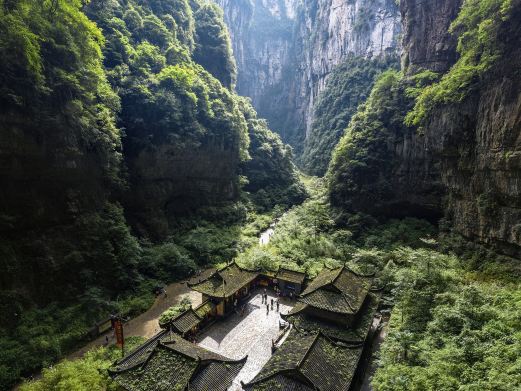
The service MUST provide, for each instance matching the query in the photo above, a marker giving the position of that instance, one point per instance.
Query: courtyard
(250, 333)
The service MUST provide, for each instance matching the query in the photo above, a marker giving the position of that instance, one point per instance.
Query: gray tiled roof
(291, 276)
(357, 333)
(339, 290)
(175, 364)
(217, 376)
(186, 321)
(225, 282)
(311, 360)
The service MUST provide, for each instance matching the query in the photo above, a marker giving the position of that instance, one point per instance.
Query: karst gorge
(170, 168)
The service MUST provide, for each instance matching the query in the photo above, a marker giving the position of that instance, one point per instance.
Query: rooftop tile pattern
(225, 282)
(186, 321)
(176, 364)
(339, 290)
(313, 361)
(163, 370)
(291, 276)
(357, 333)
(216, 377)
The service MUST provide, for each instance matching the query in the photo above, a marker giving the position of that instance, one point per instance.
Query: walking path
(147, 324)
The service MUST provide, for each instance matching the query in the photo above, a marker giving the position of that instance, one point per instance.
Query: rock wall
(167, 183)
(426, 40)
(285, 51)
(476, 143)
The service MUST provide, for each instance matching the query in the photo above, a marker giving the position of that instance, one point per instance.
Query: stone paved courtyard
(250, 334)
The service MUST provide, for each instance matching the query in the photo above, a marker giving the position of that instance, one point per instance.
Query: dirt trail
(146, 325)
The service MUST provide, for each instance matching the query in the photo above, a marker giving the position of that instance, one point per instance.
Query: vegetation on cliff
(76, 77)
(480, 45)
(348, 86)
(271, 177)
(359, 174)
(58, 125)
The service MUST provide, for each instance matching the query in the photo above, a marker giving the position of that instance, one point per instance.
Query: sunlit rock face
(285, 50)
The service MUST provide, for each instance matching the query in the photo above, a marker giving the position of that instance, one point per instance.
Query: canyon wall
(285, 51)
(476, 143)
(464, 162)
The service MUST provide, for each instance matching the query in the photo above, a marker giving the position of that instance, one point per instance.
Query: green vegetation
(478, 28)
(360, 170)
(73, 74)
(213, 50)
(348, 86)
(456, 317)
(453, 327)
(165, 94)
(271, 176)
(171, 313)
(87, 373)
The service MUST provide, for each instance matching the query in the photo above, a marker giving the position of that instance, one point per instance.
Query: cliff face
(476, 143)
(285, 51)
(426, 40)
(465, 163)
(167, 183)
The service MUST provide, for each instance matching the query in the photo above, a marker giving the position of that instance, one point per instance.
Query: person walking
(267, 309)
(278, 305)
(272, 303)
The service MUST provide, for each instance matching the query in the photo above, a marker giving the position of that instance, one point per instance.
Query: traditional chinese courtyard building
(225, 286)
(169, 363)
(337, 303)
(290, 282)
(188, 323)
(308, 362)
(331, 322)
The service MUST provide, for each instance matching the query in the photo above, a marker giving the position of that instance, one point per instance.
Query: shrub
(171, 313)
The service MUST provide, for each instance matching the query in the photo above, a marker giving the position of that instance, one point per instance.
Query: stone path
(147, 324)
(250, 334)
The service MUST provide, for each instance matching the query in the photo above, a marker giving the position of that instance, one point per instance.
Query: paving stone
(250, 334)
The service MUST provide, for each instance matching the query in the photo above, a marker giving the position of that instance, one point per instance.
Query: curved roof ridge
(167, 345)
(191, 284)
(311, 288)
(359, 274)
(340, 270)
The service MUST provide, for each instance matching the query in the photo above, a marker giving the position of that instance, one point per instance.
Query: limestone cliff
(476, 143)
(285, 51)
(465, 161)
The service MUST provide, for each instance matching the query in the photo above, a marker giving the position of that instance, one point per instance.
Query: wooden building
(188, 323)
(226, 287)
(308, 362)
(167, 362)
(290, 282)
(336, 295)
(337, 303)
